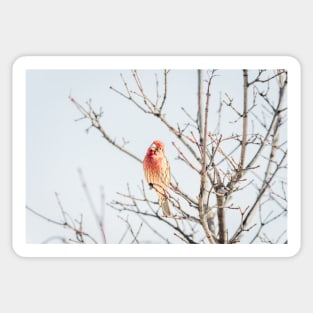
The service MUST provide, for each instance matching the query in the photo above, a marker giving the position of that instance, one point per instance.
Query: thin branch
(154, 215)
(135, 235)
(98, 218)
(264, 187)
(278, 109)
(258, 80)
(244, 123)
(203, 174)
(165, 72)
(64, 224)
(95, 123)
(153, 229)
(45, 217)
(182, 155)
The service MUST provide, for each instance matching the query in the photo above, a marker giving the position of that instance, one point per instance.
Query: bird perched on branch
(158, 174)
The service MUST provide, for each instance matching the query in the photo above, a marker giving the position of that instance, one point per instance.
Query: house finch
(157, 172)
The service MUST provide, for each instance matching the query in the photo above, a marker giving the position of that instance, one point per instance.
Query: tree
(240, 194)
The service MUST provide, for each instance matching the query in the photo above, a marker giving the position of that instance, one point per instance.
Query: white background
(162, 27)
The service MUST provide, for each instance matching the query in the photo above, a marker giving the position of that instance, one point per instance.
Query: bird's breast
(152, 163)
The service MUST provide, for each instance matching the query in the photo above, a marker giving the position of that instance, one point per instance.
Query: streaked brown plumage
(158, 174)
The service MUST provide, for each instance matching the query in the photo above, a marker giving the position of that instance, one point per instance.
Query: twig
(165, 72)
(95, 123)
(98, 218)
(185, 158)
(64, 224)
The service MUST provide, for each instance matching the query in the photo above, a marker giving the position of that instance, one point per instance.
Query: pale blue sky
(57, 145)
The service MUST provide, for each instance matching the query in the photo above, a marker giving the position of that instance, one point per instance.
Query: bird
(158, 174)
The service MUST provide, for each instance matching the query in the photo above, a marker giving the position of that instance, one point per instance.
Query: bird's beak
(153, 147)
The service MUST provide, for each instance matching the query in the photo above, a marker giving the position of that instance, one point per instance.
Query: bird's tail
(165, 207)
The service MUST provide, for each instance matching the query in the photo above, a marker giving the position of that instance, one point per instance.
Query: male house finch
(157, 172)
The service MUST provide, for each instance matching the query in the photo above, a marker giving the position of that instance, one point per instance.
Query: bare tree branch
(218, 159)
(95, 123)
(98, 217)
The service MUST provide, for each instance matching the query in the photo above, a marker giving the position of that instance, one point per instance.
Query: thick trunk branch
(244, 123)
(222, 231)
(203, 133)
